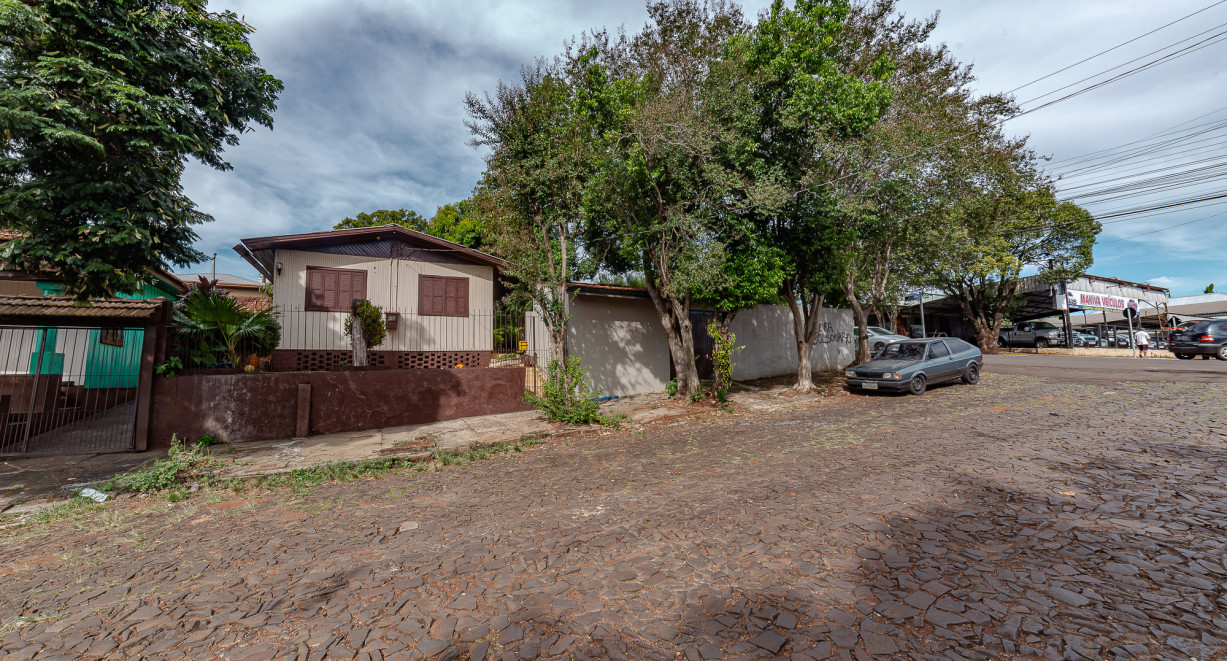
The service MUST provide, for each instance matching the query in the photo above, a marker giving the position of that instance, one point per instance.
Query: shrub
(722, 359)
(565, 394)
(370, 319)
(671, 388)
(177, 467)
(213, 327)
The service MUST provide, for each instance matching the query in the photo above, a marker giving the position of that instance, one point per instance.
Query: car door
(940, 363)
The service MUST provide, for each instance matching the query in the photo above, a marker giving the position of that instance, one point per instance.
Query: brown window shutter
(443, 296)
(359, 285)
(330, 290)
(333, 290)
(315, 289)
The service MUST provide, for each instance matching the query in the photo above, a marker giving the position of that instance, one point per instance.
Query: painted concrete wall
(252, 407)
(624, 348)
(771, 350)
(392, 284)
(621, 343)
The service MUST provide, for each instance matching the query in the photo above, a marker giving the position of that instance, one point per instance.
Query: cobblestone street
(1019, 518)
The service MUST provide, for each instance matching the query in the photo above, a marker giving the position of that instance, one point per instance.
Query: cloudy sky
(372, 115)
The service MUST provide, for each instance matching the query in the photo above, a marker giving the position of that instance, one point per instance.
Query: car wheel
(917, 386)
(1184, 356)
(1000, 343)
(1221, 354)
(1041, 343)
(972, 376)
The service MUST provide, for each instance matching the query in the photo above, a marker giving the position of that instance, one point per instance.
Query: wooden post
(302, 425)
(144, 387)
(355, 333)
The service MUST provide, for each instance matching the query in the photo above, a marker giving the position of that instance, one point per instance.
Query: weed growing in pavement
(301, 480)
(206, 440)
(179, 466)
(67, 509)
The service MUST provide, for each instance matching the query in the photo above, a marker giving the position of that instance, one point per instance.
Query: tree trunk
(805, 319)
(862, 321)
(685, 330)
(679, 336)
(357, 341)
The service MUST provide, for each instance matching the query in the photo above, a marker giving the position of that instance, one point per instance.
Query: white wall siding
(16, 347)
(74, 344)
(392, 284)
(771, 347)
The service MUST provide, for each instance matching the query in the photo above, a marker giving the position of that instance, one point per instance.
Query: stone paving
(1019, 518)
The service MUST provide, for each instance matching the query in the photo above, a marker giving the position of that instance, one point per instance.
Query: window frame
(112, 337)
(425, 311)
(311, 307)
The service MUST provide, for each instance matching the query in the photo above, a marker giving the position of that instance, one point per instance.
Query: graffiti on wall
(828, 335)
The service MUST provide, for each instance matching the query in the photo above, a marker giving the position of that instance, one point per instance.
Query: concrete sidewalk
(25, 481)
(283, 455)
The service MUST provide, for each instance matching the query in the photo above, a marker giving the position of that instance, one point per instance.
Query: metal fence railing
(68, 389)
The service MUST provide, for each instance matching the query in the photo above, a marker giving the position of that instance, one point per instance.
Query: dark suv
(1203, 338)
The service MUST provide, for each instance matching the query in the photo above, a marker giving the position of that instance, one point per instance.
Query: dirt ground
(1022, 517)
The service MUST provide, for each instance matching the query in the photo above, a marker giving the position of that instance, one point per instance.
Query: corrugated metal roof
(61, 306)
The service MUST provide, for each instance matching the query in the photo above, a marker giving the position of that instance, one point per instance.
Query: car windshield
(903, 351)
(1043, 325)
(1201, 326)
(878, 331)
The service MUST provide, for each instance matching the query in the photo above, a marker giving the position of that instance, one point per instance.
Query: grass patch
(301, 480)
(180, 466)
(67, 509)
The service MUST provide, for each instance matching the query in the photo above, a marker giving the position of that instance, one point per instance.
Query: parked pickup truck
(1038, 334)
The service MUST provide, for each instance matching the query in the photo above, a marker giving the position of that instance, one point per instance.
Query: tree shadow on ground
(1113, 555)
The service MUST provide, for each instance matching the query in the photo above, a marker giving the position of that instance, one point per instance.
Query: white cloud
(372, 114)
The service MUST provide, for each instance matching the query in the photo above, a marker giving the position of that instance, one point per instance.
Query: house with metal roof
(437, 296)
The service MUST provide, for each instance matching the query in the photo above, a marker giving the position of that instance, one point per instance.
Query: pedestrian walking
(1142, 339)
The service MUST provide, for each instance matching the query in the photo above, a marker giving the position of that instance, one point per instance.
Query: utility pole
(1132, 345)
(214, 267)
(923, 331)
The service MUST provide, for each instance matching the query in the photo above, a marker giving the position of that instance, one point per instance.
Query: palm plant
(218, 323)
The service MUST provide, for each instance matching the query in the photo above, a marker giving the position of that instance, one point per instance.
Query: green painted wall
(106, 365)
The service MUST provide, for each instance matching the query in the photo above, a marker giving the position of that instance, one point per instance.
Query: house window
(333, 290)
(443, 297)
(111, 336)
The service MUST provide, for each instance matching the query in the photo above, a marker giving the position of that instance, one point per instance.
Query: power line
(1140, 57)
(1164, 229)
(1124, 43)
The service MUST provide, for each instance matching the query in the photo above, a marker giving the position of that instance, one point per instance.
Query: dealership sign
(1085, 300)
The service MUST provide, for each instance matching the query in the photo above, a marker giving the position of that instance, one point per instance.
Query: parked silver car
(913, 365)
(880, 337)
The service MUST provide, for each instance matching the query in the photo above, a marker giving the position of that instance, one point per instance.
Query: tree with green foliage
(463, 222)
(404, 217)
(532, 189)
(460, 222)
(890, 176)
(1008, 219)
(804, 105)
(1209, 289)
(102, 102)
(665, 202)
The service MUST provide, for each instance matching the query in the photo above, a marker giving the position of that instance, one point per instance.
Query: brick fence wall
(253, 407)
